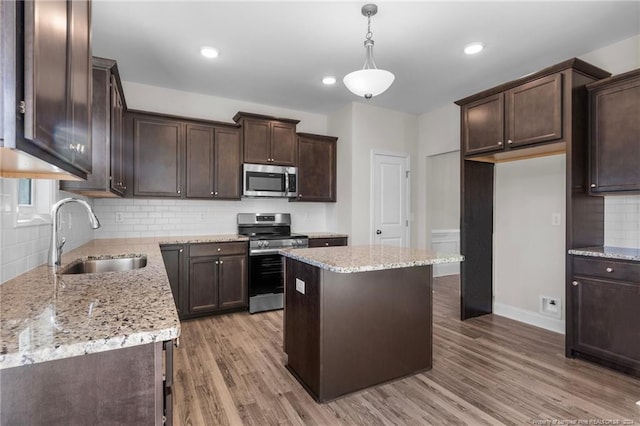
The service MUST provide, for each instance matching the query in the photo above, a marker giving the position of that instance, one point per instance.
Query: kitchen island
(357, 316)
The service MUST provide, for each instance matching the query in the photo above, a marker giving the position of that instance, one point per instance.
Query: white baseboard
(529, 317)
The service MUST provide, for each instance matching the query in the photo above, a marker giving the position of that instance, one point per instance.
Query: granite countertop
(45, 316)
(632, 254)
(349, 259)
(313, 235)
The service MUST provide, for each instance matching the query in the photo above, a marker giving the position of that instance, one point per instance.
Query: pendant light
(369, 81)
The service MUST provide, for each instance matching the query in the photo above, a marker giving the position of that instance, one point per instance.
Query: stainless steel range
(268, 233)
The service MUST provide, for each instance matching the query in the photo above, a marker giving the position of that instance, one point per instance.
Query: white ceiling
(276, 53)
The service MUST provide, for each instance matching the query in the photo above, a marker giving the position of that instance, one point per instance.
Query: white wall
(371, 128)
(339, 213)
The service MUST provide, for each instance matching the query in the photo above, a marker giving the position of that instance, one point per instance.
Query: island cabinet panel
(614, 141)
(158, 156)
(605, 296)
(122, 386)
(316, 168)
(107, 178)
(348, 331)
(268, 140)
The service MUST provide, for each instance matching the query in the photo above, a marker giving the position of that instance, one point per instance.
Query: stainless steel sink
(110, 264)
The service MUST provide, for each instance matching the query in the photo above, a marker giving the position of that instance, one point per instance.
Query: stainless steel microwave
(260, 180)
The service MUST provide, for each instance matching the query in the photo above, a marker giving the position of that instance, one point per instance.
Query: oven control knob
(265, 243)
(299, 243)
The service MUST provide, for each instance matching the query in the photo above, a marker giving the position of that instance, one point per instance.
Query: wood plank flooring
(229, 370)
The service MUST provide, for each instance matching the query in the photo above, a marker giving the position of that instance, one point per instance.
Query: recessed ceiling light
(473, 48)
(329, 80)
(209, 52)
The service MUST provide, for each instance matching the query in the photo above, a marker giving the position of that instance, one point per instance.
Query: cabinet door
(615, 138)
(227, 164)
(157, 157)
(256, 135)
(606, 318)
(80, 83)
(203, 284)
(316, 169)
(199, 161)
(173, 256)
(233, 281)
(118, 181)
(283, 144)
(46, 87)
(534, 111)
(483, 125)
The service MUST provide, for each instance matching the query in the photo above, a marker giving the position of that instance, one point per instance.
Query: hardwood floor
(229, 370)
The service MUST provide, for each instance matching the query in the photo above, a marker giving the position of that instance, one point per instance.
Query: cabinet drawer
(216, 249)
(609, 269)
(327, 242)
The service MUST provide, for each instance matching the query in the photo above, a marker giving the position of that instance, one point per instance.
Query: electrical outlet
(551, 306)
(556, 219)
(119, 217)
(299, 285)
(203, 216)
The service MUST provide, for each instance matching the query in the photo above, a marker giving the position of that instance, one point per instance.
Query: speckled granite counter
(44, 316)
(349, 259)
(609, 253)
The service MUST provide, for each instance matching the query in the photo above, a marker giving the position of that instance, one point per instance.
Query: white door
(390, 187)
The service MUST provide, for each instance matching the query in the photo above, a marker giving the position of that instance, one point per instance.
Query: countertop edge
(606, 252)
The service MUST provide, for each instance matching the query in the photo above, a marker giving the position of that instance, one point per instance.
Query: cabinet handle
(178, 191)
(593, 185)
(509, 141)
(609, 270)
(211, 192)
(575, 283)
(181, 250)
(499, 143)
(215, 193)
(219, 249)
(217, 262)
(221, 262)
(326, 244)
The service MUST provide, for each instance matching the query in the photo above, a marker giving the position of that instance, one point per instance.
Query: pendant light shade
(369, 81)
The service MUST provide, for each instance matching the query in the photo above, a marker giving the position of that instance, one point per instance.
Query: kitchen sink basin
(96, 265)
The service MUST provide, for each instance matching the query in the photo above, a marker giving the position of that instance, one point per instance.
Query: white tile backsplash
(622, 221)
(157, 218)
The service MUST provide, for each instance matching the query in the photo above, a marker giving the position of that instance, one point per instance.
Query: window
(34, 198)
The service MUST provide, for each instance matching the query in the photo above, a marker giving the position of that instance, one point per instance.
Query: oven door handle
(260, 252)
(286, 182)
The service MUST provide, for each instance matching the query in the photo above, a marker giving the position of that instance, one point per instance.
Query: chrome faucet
(55, 248)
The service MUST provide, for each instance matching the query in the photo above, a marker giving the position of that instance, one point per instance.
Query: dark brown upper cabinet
(316, 168)
(107, 178)
(158, 155)
(47, 80)
(498, 121)
(268, 140)
(614, 135)
(213, 162)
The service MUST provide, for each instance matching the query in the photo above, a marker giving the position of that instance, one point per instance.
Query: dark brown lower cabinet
(605, 301)
(173, 256)
(128, 386)
(327, 242)
(217, 278)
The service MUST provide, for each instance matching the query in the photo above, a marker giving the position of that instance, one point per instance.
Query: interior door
(390, 184)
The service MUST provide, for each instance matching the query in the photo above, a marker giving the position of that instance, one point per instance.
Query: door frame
(407, 159)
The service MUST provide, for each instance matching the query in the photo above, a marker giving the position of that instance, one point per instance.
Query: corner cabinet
(605, 296)
(530, 113)
(316, 168)
(46, 65)
(614, 135)
(268, 140)
(174, 257)
(107, 178)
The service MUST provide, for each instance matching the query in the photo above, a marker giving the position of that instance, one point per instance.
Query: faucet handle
(62, 241)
